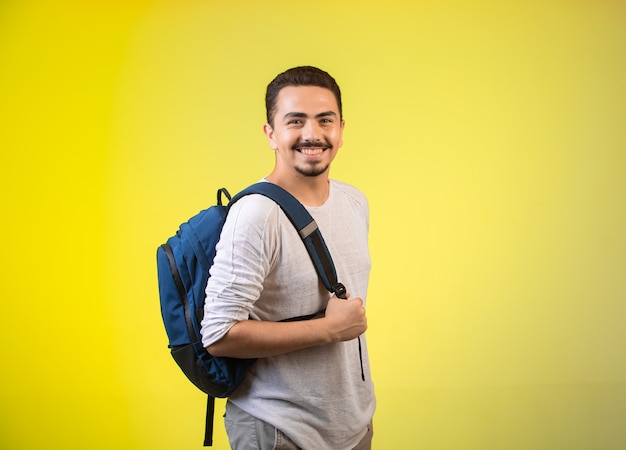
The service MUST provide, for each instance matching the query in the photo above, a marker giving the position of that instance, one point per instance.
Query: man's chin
(312, 171)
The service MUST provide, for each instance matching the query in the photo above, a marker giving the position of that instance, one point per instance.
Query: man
(311, 386)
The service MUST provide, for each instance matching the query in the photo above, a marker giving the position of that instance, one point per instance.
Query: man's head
(299, 76)
(304, 124)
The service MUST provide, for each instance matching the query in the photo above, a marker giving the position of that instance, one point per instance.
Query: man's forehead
(307, 96)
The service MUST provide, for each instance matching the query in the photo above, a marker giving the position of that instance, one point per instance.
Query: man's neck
(310, 191)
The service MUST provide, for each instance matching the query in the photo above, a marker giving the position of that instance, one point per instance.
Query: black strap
(323, 263)
(220, 192)
(208, 428)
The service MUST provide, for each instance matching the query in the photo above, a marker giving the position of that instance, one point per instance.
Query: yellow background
(489, 137)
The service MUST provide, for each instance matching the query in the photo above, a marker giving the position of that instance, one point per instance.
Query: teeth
(311, 151)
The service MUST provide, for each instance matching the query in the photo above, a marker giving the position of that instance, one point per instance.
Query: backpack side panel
(172, 306)
(193, 249)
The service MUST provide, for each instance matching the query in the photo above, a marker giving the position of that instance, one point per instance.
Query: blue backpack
(183, 264)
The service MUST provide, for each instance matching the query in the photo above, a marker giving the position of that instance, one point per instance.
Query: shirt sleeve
(243, 259)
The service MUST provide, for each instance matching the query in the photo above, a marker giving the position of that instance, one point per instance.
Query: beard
(313, 170)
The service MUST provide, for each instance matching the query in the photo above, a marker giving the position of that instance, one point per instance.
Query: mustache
(311, 144)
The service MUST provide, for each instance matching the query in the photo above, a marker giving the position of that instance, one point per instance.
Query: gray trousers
(246, 432)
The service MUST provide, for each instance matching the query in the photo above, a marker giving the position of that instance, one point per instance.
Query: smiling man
(311, 386)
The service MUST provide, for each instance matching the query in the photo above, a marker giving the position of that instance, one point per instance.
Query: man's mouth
(311, 148)
(310, 151)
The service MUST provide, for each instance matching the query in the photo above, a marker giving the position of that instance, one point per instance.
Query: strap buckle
(340, 291)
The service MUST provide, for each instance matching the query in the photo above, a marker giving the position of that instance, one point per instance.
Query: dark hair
(299, 76)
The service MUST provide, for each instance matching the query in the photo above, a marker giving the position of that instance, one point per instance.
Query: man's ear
(269, 134)
(343, 126)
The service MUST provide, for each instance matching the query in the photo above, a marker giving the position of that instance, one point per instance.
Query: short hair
(299, 76)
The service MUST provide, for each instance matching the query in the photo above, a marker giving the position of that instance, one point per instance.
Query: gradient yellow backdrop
(489, 136)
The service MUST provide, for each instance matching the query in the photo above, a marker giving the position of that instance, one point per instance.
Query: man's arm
(344, 320)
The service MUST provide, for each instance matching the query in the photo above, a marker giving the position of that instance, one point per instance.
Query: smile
(311, 151)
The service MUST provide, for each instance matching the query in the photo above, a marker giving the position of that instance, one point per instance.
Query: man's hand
(345, 319)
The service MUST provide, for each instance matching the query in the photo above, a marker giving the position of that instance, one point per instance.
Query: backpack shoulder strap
(307, 229)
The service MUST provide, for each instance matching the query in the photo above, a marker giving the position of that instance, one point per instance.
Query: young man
(311, 386)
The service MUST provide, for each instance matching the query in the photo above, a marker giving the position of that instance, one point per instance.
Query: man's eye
(294, 122)
(326, 121)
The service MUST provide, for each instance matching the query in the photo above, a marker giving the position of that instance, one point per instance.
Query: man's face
(307, 130)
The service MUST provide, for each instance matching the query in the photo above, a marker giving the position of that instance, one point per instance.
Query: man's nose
(311, 131)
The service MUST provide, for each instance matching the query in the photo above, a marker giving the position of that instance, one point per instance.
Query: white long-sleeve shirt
(262, 271)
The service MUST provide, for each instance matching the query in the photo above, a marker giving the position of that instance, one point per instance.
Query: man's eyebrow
(289, 115)
(296, 114)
